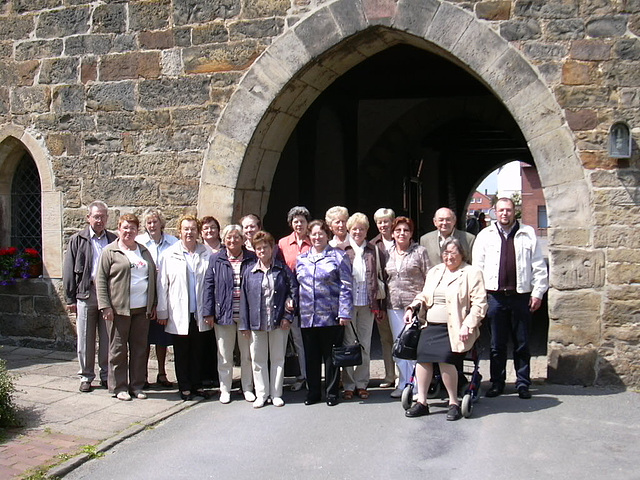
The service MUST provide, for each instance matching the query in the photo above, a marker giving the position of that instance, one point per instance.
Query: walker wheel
(407, 397)
(467, 405)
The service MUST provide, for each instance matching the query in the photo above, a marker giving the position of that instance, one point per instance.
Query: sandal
(347, 394)
(162, 379)
(362, 393)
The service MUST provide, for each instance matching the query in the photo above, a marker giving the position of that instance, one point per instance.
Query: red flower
(31, 252)
(12, 250)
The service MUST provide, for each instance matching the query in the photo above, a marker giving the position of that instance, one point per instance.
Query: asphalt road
(563, 432)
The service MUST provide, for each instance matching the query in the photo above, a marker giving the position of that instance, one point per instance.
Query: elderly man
(79, 273)
(445, 223)
(515, 275)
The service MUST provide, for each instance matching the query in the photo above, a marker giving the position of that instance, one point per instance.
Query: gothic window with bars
(26, 219)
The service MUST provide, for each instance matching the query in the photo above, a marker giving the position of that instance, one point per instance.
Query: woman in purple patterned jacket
(324, 275)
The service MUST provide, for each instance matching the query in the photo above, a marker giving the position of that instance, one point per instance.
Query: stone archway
(272, 97)
(14, 142)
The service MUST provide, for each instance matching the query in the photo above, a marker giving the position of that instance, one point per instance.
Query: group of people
(323, 285)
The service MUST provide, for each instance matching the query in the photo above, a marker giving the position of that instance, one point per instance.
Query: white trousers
(226, 336)
(268, 347)
(362, 320)
(405, 367)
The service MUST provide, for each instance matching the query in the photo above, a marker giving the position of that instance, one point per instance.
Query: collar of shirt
(505, 231)
(95, 235)
(441, 239)
(259, 266)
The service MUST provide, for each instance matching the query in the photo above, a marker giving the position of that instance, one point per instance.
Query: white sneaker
(258, 403)
(277, 402)
(124, 396)
(250, 397)
(225, 397)
(397, 393)
(140, 394)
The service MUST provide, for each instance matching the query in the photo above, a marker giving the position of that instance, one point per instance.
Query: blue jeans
(510, 318)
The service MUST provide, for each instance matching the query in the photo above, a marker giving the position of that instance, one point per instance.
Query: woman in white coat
(180, 292)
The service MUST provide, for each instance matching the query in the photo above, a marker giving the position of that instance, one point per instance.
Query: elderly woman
(406, 270)
(126, 289)
(291, 247)
(250, 223)
(336, 218)
(384, 218)
(324, 276)
(157, 242)
(455, 301)
(180, 294)
(222, 286)
(365, 305)
(269, 293)
(211, 234)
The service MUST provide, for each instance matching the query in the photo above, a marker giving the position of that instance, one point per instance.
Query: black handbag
(291, 362)
(405, 346)
(347, 355)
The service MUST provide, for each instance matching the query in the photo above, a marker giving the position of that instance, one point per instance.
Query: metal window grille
(26, 218)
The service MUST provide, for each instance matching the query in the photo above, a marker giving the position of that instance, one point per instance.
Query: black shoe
(454, 413)
(417, 410)
(202, 393)
(85, 387)
(103, 384)
(332, 400)
(311, 400)
(146, 386)
(524, 393)
(187, 395)
(495, 390)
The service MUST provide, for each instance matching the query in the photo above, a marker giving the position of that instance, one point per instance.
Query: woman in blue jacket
(222, 309)
(267, 300)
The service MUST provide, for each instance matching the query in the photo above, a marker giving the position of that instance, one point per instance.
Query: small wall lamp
(620, 140)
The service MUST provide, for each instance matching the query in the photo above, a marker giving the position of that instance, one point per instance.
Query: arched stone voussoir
(318, 32)
(349, 16)
(556, 160)
(415, 17)
(568, 204)
(247, 111)
(448, 26)
(290, 53)
(222, 162)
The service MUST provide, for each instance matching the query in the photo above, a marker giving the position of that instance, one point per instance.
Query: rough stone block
(618, 178)
(349, 16)
(607, 27)
(265, 8)
(627, 49)
(59, 70)
(87, 45)
(4, 100)
(565, 29)
(187, 12)
(171, 63)
(318, 33)
(222, 164)
(76, 122)
(178, 191)
(379, 12)
(590, 50)
(127, 121)
(38, 49)
(109, 18)
(182, 36)
(576, 73)
(581, 119)
(593, 160)
(583, 96)
(215, 32)
(35, 99)
(89, 70)
(624, 196)
(622, 74)
(448, 25)
(219, 58)
(129, 66)
(415, 17)
(620, 313)
(569, 237)
(571, 365)
(263, 28)
(574, 268)
(546, 9)
(153, 15)
(98, 143)
(544, 51)
(156, 40)
(575, 316)
(111, 96)
(178, 92)
(124, 191)
(623, 273)
(9, 304)
(68, 98)
(178, 140)
(623, 292)
(493, 10)
(18, 74)
(62, 23)
(61, 144)
(518, 30)
(125, 42)
(616, 236)
(289, 51)
(560, 163)
(23, 6)
(17, 28)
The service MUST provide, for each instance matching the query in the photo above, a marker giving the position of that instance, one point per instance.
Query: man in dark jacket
(78, 276)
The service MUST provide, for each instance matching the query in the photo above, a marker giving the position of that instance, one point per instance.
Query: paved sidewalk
(60, 421)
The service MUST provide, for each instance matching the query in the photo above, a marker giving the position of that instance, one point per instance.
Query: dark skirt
(157, 335)
(434, 346)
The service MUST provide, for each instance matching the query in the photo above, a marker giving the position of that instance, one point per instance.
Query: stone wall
(124, 97)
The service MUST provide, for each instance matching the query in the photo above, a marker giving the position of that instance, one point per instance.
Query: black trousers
(188, 357)
(317, 350)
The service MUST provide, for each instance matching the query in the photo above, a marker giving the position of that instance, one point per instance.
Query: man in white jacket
(515, 275)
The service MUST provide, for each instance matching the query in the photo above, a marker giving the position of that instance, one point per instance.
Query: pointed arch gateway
(252, 131)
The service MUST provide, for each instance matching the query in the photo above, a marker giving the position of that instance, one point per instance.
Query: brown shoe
(85, 387)
(362, 393)
(347, 394)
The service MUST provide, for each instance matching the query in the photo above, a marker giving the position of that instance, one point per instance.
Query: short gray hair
(229, 229)
(384, 213)
(451, 240)
(154, 212)
(335, 212)
(298, 211)
(99, 204)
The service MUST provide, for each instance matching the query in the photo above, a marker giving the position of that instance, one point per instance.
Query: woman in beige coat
(455, 301)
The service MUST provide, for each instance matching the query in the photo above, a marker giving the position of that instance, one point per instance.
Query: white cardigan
(173, 290)
(531, 269)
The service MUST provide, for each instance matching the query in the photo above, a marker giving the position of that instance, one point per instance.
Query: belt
(505, 292)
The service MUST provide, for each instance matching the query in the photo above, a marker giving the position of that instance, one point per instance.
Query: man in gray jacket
(78, 276)
(445, 222)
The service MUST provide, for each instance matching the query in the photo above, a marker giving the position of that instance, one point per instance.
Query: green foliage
(91, 451)
(8, 417)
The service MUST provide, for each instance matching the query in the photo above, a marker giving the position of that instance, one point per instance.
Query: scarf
(359, 267)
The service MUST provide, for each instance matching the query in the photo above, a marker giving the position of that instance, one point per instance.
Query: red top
(291, 249)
